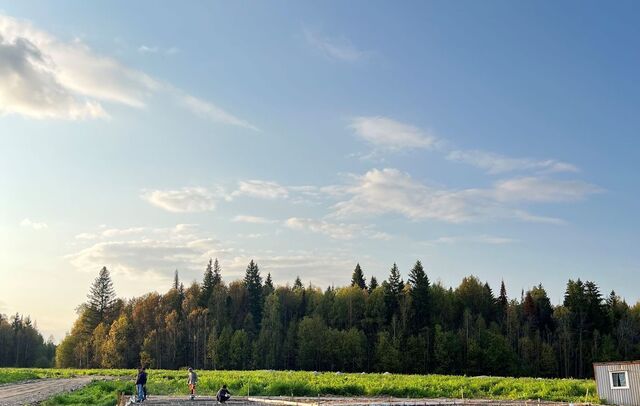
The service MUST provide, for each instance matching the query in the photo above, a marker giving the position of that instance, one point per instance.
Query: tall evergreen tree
(503, 302)
(420, 294)
(395, 282)
(176, 280)
(268, 285)
(373, 284)
(102, 297)
(357, 278)
(253, 283)
(217, 273)
(297, 285)
(207, 285)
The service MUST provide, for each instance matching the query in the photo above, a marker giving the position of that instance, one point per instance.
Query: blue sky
(490, 138)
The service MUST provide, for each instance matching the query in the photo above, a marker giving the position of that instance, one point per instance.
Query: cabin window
(619, 380)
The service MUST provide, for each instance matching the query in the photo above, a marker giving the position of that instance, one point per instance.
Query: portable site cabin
(618, 383)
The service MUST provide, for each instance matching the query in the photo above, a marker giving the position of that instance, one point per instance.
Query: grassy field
(287, 383)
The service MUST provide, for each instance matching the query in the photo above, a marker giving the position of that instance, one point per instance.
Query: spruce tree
(176, 280)
(393, 289)
(297, 285)
(420, 294)
(373, 284)
(207, 285)
(503, 303)
(357, 278)
(268, 285)
(217, 273)
(395, 280)
(101, 297)
(253, 283)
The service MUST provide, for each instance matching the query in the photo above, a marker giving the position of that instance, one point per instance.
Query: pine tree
(420, 294)
(357, 278)
(297, 285)
(101, 297)
(395, 280)
(268, 286)
(207, 285)
(176, 280)
(217, 273)
(373, 284)
(393, 289)
(503, 303)
(253, 283)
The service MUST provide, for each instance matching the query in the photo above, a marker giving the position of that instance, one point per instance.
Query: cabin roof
(595, 364)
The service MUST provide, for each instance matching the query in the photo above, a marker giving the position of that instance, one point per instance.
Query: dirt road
(30, 392)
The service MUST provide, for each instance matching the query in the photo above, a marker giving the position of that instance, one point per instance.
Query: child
(192, 381)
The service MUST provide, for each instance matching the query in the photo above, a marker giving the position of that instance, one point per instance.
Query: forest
(22, 345)
(411, 326)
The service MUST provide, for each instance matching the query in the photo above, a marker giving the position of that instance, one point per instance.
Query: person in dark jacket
(223, 394)
(141, 381)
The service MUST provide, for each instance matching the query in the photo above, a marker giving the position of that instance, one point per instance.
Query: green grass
(99, 393)
(288, 383)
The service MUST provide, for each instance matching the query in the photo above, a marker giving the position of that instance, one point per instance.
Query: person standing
(141, 381)
(192, 381)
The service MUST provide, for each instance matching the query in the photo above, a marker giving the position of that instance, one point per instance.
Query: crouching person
(223, 394)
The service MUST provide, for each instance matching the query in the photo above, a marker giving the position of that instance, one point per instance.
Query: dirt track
(31, 392)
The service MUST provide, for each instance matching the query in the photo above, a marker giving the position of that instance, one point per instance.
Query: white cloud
(538, 189)
(185, 200)
(339, 49)
(144, 49)
(338, 231)
(495, 163)
(261, 189)
(392, 191)
(29, 85)
(35, 225)
(252, 219)
(477, 239)
(154, 254)
(212, 112)
(43, 77)
(151, 253)
(86, 236)
(118, 232)
(388, 134)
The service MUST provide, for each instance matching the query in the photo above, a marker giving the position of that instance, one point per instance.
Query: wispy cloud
(210, 111)
(473, 239)
(44, 77)
(35, 225)
(392, 191)
(261, 189)
(155, 253)
(496, 163)
(144, 49)
(252, 219)
(335, 48)
(338, 231)
(185, 200)
(388, 134)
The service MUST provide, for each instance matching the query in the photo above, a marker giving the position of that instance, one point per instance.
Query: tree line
(411, 326)
(22, 345)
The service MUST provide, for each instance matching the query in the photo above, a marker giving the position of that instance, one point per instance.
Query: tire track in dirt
(31, 392)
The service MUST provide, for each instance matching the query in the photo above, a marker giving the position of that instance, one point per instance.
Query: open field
(296, 383)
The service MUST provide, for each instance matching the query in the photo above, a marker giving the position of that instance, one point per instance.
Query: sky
(496, 139)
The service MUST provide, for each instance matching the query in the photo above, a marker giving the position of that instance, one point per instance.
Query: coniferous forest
(21, 345)
(395, 325)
